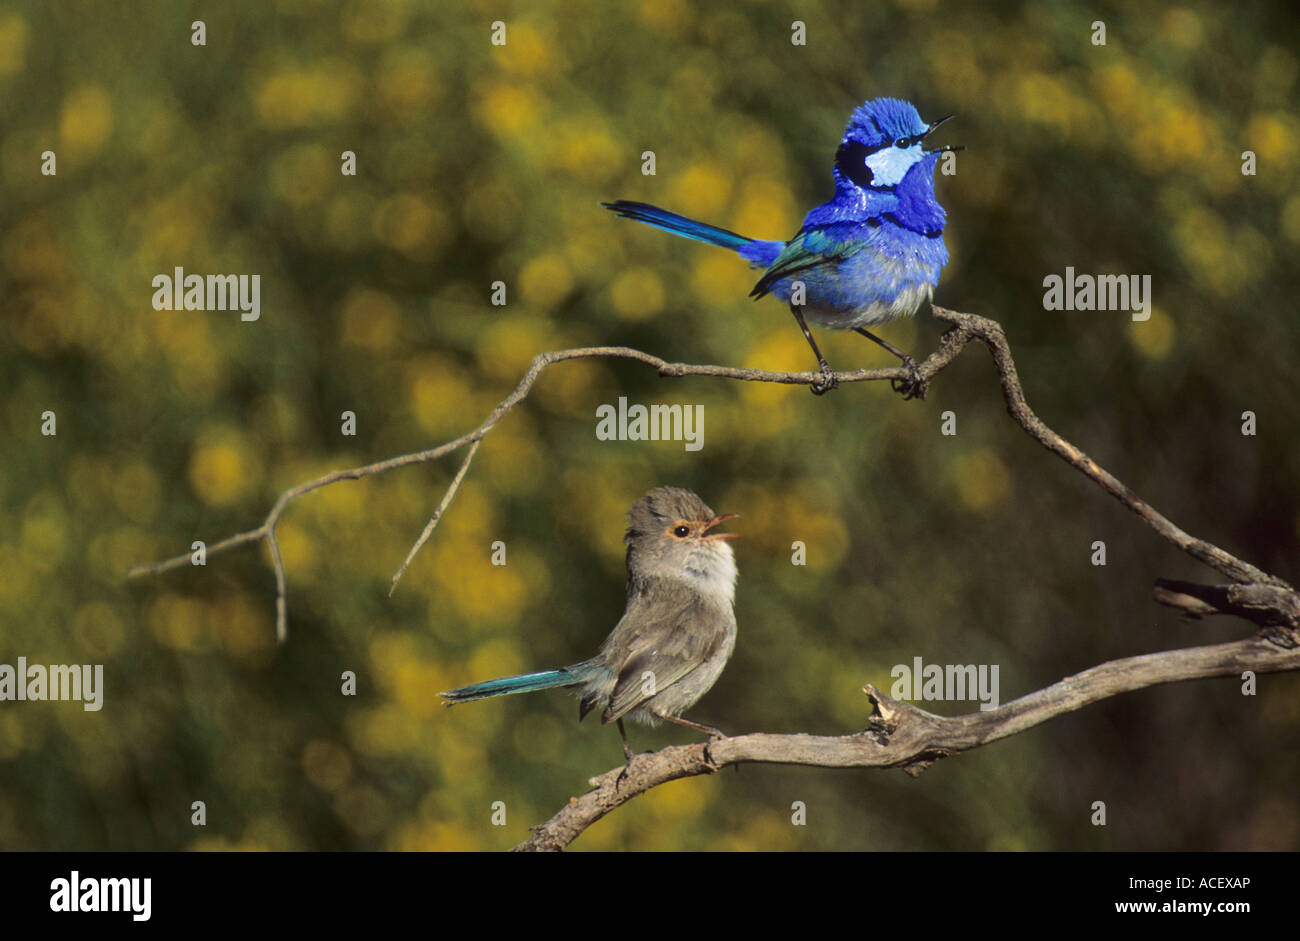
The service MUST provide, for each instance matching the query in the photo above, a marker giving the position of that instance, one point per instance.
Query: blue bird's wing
(666, 634)
(813, 247)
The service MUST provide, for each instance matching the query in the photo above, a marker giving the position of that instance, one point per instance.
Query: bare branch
(965, 327)
(1266, 605)
(990, 333)
(902, 736)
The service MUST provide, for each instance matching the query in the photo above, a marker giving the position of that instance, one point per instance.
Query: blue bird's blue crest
(884, 120)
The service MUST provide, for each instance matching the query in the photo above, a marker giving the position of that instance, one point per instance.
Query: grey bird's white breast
(712, 573)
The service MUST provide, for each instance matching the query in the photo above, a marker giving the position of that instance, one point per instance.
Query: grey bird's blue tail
(526, 683)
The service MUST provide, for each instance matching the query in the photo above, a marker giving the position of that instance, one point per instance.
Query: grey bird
(677, 631)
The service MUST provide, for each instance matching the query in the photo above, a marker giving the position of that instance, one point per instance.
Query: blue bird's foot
(827, 382)
(914, 386)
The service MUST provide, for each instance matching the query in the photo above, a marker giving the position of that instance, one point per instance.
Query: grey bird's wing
(667, 631)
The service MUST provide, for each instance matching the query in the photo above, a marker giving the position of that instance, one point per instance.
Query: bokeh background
(478, 163)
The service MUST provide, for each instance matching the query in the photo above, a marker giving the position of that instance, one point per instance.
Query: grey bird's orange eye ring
(684, 529)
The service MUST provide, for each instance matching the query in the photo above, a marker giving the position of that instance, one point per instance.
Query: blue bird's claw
(827, 382)
(914, 386)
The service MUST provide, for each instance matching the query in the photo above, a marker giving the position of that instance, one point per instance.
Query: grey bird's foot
(914, 386)
(713, 733)
(622, 775)
(628, 755)
(710, 731)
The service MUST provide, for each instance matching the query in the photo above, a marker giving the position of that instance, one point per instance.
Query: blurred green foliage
(478, 163)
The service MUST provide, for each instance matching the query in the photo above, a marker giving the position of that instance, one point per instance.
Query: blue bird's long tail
(678, 225)
(527, 683)
(757, 252)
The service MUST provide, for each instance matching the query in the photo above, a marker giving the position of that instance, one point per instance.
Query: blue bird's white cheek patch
(890, 164)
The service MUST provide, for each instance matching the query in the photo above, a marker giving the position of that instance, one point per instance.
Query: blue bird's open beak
(946, 147)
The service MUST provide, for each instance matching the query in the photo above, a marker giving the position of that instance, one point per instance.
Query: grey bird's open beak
(946, 147)
(718, 520)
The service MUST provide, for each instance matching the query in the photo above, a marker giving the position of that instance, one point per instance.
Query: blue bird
(871, 254)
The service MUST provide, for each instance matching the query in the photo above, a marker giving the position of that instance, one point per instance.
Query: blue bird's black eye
(903, 142)
(851, 161)
(681, 532)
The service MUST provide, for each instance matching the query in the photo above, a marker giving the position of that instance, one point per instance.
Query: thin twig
(157, 568)
(437, 515)
(281, 587)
